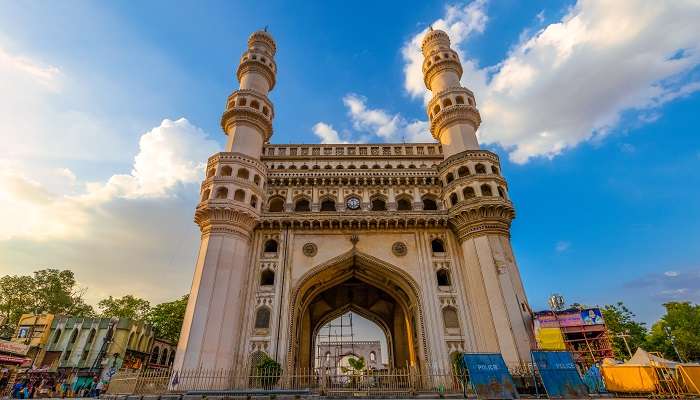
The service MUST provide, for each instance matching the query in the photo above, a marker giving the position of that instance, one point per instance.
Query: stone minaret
(480, 211)
(232, 196)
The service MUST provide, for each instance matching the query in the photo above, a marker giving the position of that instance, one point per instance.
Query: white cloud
(572, 81)
(374, 123)
(671, 274)
(562, 246)
(171, 154)
(327, 134)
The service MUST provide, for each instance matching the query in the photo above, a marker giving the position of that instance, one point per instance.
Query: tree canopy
(45, 291)
(620, 321)
(127, 306)
(166, 318)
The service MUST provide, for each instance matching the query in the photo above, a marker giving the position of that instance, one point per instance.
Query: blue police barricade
(559, 374)
(489, 376)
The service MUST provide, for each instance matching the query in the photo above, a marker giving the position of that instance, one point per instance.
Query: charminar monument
(414, 237)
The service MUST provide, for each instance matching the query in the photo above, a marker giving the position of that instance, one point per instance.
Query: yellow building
(33, 330)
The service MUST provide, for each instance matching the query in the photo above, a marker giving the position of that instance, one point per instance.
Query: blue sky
(109, 110)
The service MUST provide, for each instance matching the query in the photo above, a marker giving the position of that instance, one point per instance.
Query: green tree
(16, 298)
(681, 324)
(620, 321)
(166, 318)
(125, 307)
(46, 291)
(56, 292)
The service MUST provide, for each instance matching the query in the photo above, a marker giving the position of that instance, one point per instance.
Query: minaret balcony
(454, 114)
(252, 62)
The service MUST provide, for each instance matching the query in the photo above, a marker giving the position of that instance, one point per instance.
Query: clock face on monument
(353, 203)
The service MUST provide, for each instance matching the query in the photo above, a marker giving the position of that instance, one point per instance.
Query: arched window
(206, 194)
(155, 354)
(262, 318)
(243, 173)
(328, 205)
(226, 170)
(267, 278)
(501, 192)
(327, 167)
(276, 204)
(164, 357)
(270, 246)
(302, 205)
(437, 246)
(239, 195)
(57, 336)
(443, 277)
(400, 166)
(449, 178)
(378, 204)
(480, 169)
(453, 199)
(292, 167)
(388, 166)
(339, 167)
(372, 356)
(436, 109)
(304, 167)
(429, 204)
(256, 179)
(463, 171)
(411, 166)
(316, 167)
(351, 166)
(494, 170)
(375, 166)
(486, 190)
(446, 103)
(253, 201)
(469, 192)
(241, 101)
(255, 104)
(211, 173)
(221, 193)
(363, 166)
(404, 204)
(449, 316)
(459, 100)
(265, 110)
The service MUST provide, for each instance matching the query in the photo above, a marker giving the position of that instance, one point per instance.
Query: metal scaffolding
(335, 340)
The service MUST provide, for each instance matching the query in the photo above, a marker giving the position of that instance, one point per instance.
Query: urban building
(33, 330)
(162, 354)
(414, 237)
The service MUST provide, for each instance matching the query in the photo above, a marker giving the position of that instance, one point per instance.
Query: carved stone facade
(414, 237)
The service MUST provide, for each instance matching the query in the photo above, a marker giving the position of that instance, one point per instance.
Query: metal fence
(370, 383)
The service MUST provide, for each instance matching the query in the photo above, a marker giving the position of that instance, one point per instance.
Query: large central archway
(367, 286)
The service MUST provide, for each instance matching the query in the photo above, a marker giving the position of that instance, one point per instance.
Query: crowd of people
(28, 387)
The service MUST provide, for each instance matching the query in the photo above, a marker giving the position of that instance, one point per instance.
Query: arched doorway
(364, 285)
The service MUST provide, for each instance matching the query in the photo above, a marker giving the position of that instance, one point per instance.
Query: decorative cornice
(468, 155)
(249, 65)
(248, 93)
(225, 216)
(481, 216)
(439, 66)
(357, 221)
(454, 114)
(434, 36)
(247, 116)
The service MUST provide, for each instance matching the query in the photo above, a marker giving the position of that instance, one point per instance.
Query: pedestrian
(98, 389)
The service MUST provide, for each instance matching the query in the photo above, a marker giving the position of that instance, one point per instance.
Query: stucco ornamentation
(310, 249)
(399, 249)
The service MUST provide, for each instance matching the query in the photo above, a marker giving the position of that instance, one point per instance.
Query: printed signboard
(559, 374)
(13, 348)
(489, 376)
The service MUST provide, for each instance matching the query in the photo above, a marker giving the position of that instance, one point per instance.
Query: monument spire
(452, 111)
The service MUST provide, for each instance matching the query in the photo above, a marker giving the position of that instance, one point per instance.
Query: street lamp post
(667, 329)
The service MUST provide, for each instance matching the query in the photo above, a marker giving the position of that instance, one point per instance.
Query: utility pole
(624, 337)
(673, 342)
